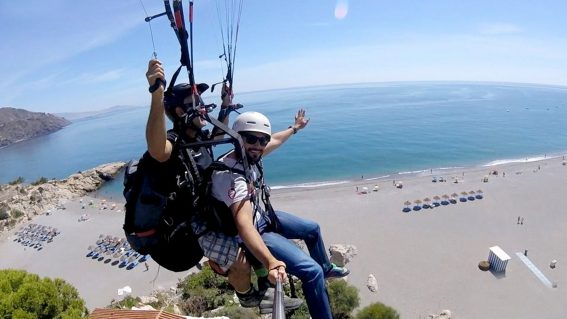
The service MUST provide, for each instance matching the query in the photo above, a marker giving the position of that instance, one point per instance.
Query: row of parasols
(35, 235)
(443, 200)
(115, 251)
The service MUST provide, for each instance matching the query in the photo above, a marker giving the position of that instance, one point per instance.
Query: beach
(424, 261)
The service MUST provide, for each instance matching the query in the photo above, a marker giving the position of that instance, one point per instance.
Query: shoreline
(424, 261)
(438, 172)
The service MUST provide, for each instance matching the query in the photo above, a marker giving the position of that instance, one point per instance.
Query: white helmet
(252, 122)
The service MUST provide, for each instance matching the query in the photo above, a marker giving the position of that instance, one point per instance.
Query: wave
(310, 185)
(413, 172)
(375, 178)
(519, 160)
(448, 168)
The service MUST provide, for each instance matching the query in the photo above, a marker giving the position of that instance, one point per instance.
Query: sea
(368, 131)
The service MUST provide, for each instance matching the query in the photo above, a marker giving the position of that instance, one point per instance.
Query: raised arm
(224, 112)
(280, 137)
(156, 136)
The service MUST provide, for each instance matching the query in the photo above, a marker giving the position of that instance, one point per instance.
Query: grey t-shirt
(231, 187)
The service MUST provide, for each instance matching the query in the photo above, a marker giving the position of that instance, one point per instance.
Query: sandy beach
(424, 261)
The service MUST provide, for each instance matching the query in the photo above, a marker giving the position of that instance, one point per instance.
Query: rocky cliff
(22, 201)
(18, 125)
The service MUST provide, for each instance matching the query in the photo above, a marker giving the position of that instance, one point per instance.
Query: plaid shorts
(218, 247)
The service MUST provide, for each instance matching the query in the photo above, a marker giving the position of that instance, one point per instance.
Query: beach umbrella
(91, 247)
(445, 200)
(463, 197)
(436, 200)
(479, 194)
(417, 204)
(471, 195)
(426, 200)
(407, 209)
(117, 255)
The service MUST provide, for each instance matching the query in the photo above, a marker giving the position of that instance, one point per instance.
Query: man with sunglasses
(266, 233)
(177, 105)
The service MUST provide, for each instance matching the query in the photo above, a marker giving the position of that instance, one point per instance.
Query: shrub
(16, 213)
(302, 312)
(194, 305)
(206, 278)
(17, 181)
(343, 298)
(204, 291)
(39, 181)
(234, 312)
(4, 215)
(377, 311)
(25, 295)
(126, 303)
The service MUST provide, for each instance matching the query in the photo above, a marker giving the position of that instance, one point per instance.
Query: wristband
(293, 128)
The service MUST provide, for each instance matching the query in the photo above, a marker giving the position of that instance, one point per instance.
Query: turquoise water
(367, 129)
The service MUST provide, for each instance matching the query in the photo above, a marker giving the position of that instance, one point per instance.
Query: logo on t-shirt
(231, 193)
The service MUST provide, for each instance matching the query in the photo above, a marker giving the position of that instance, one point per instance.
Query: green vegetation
(39, 181)
(24, 295)
(127, 303)
(204, 291)
(4, 214)
(16, 213)
(17, 181)
(234, 312)
(343, 298)
(377, 311)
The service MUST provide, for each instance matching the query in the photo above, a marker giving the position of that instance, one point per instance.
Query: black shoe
(250, 299)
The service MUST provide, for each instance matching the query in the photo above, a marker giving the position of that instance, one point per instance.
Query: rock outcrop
(24, 201)
(372, 283)
(342, 254)
(445, 314)
(18, 125)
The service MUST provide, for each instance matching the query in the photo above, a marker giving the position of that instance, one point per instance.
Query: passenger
(267, 233)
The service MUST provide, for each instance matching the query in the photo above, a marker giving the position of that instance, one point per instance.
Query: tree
(24, 295)
(343, 298)
(378, 310)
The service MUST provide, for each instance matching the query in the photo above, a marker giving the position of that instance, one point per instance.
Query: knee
(309, 272)
(314, 231)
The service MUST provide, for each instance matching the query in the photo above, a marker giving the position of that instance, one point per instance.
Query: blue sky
(66, 56)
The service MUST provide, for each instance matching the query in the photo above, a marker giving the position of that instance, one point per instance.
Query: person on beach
(266, 233)
(188, 127)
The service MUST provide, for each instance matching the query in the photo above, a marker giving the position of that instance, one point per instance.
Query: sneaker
(336, 272)
(250, 299)
(267, 303)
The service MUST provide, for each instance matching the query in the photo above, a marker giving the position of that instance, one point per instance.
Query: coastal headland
(424, 260)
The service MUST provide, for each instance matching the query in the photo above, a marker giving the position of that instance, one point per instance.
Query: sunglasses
(252, 139)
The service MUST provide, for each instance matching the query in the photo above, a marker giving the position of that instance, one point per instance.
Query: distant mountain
(18, 125)
(77, 116)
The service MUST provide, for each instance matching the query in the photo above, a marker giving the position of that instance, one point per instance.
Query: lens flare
(341, 9)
